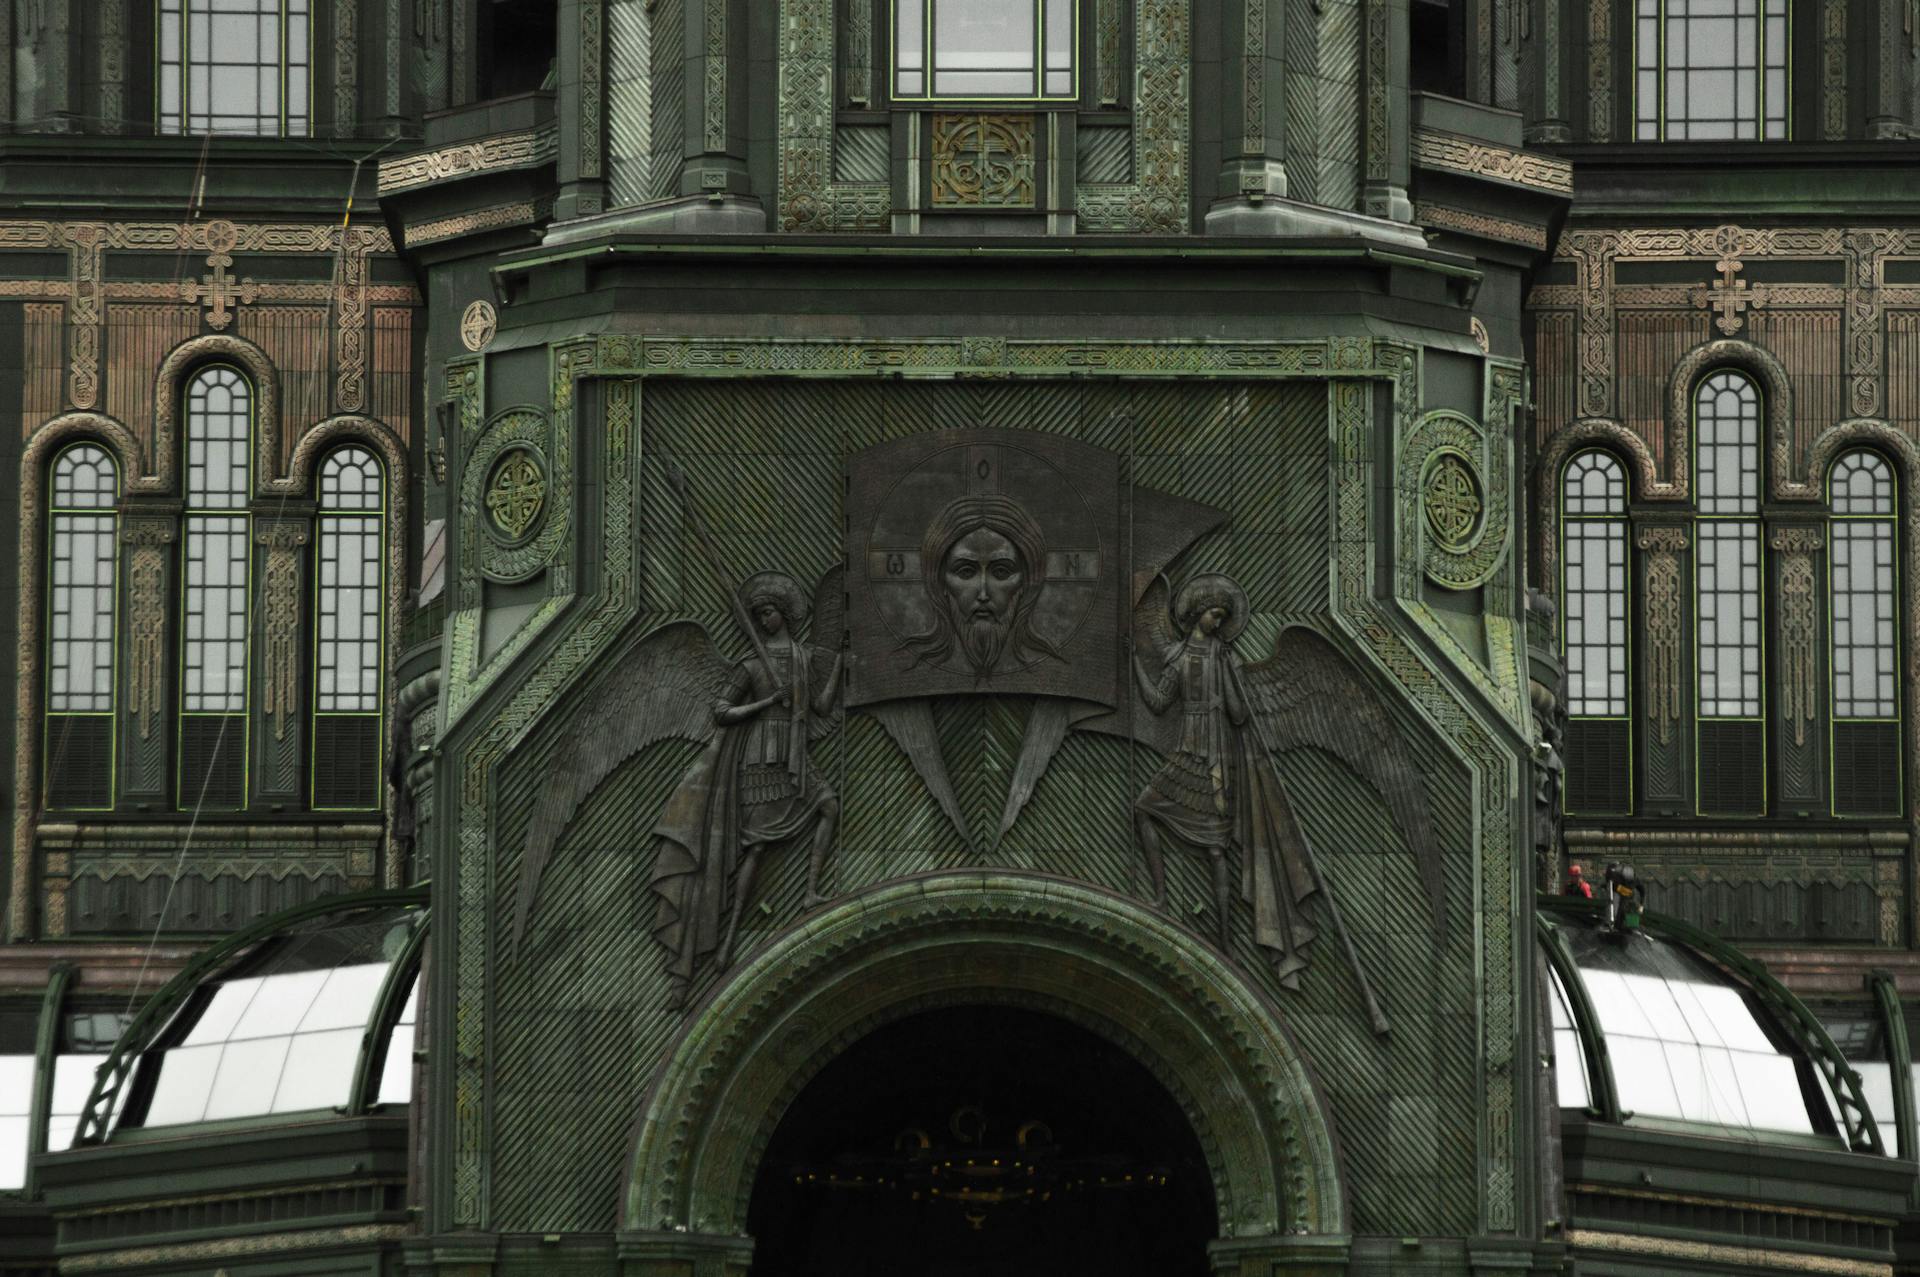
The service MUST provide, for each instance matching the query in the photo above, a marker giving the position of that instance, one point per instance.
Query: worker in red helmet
(1577, 884)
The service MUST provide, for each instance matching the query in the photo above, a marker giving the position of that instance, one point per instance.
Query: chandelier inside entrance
(980, 1168)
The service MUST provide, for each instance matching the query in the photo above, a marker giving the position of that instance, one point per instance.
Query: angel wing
(663, 688)
(1308, 694)
(1153, 634)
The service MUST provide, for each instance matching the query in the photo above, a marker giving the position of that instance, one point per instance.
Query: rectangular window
(1864, 642)
(235, 66)
(215, 647)
(80, 670)
(349, 665)
(1596, 597)
(1710, 70)
(83, 553)
(984, 50)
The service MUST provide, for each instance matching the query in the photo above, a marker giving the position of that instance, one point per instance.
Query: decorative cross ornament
(1453, 502)
(517, 493)
(1730, 296)
(219, 292)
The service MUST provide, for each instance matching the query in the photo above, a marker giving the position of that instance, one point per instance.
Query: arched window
(347, 654)
(82, 556)
(1710, 69)
(1730, 739)
(214, 612)
(235, 66)
(1593, 591)
(1865, 609)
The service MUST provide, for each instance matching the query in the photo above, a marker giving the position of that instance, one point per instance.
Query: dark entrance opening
(982, 1140)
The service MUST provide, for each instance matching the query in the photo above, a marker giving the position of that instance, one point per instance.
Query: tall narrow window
(984, 50)
(347, 654)
(1865, 610)
(1730, 743)
(213, 649)
(1710, 69)
(1593, 590)
(80, 621)
(235, 66)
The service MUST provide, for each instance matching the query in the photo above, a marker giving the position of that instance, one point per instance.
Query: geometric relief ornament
(982, 161)
(516, 494)
(507, 497)
(478, 324)
(1456, 510)
(1664, 604)
(1461, 515)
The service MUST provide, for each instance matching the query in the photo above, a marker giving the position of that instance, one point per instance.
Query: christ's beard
(983, 639)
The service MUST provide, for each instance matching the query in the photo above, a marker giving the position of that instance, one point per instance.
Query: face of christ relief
(984, 578)
(984, 564)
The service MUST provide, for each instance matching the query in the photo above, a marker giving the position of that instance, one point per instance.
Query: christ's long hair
(960, 517)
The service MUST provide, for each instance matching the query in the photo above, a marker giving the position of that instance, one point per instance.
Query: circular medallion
(478, 325)
(516, 493)
(222, 236)
(514, 498)
(1454, 505)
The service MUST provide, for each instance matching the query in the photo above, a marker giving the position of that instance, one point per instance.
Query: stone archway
(1086, 955)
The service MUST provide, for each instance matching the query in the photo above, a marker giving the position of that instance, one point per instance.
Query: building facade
(900, 637)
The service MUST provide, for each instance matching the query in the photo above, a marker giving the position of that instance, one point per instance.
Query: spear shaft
(678, 478)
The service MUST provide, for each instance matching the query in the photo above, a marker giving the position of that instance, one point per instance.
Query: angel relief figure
(751, 791)
(1220, 724)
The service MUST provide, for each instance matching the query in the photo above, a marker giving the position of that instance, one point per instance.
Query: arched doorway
(943, 942)
(982, 1139)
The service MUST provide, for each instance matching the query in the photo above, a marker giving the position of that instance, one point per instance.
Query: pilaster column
(1387, 167)
(148, 532)
(1545, 60)
(1252, 101)
(44, 101)
(279, 701)
(716, 99)
(1894, 36)
(582, 109)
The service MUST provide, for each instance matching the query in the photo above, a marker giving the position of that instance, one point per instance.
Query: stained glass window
(1864, 596)
(1710, 69)
(984, 49)
(82, 557)
(1594, 585)
(1730, 697)
(348, 666)
(1864, 606)
(1727, 419)
(235, 66)
(219, 415)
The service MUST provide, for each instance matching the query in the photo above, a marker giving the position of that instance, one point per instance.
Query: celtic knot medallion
(1453, 502)
(983, 161)
(512, 505)
(478, 324)
(516, 493)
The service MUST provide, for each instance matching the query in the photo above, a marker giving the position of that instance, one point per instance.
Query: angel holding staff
(1219, 791)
